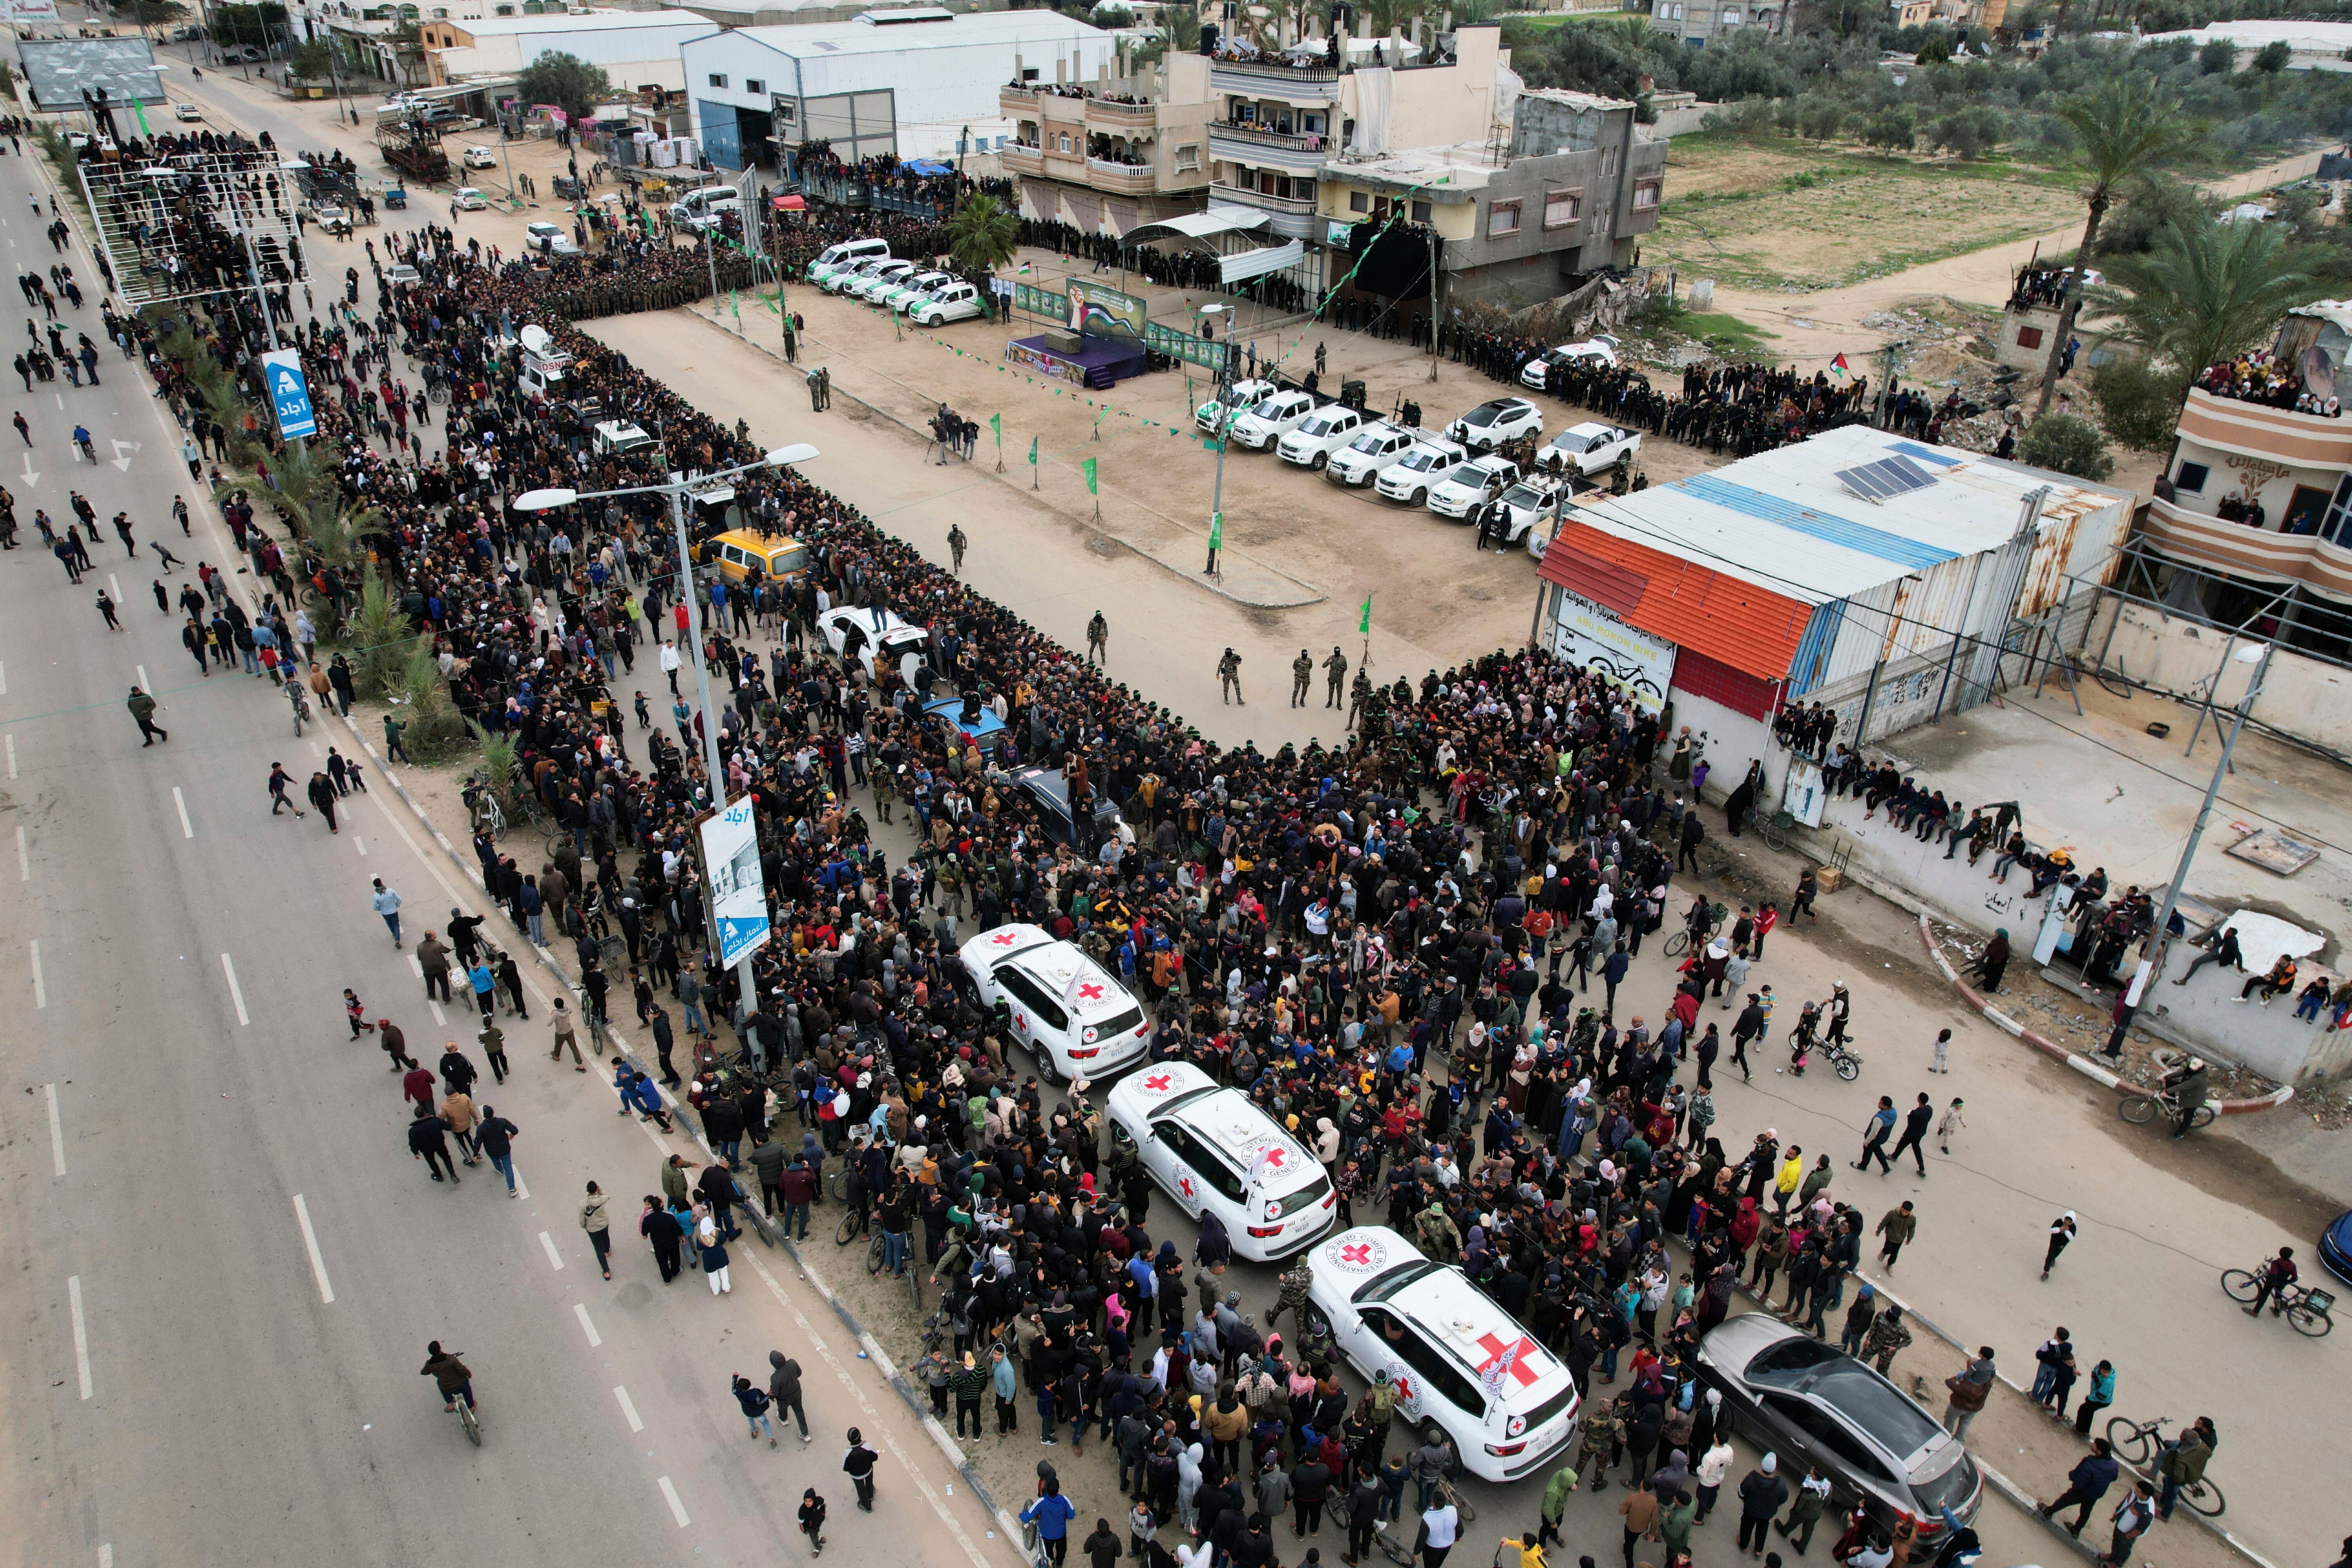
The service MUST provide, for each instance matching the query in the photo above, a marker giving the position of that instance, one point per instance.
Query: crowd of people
(2259, 376)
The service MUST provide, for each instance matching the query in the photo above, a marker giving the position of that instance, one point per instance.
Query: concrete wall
(2305, 698)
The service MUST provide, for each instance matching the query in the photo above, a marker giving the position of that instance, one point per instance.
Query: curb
(1317, 595)
(2083, 1065)
(683, 1114)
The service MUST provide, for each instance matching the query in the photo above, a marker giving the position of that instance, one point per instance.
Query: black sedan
(1815, 1405)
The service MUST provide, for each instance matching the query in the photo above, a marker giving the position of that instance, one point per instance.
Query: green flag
(1216, 530)
(1032, 451)
(996, 423)
(1365, 625)
(1087, 468)
(735, 302)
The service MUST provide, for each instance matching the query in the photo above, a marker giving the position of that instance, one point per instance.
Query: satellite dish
(534, 337)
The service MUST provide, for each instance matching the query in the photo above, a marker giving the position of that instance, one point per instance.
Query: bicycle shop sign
(1588, 635)
(739, 891)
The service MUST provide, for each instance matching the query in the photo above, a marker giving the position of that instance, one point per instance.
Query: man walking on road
(496, 1135)
(428, 1141)
(1229, 678)
(2062, 1232)
(858, 1464)
(1302, 675)
(322, 800)
(1334, 671)
(2087, 1483)
(1880, 1128)
(1915, 1133)
(433, 958)
(1098, 638)
(784, 1390)
(1896, 1226)
(386, 903)
(142, 708)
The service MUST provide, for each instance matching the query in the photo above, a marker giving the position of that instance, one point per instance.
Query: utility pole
(711, 762)
(1224, 439)
(1433, 299)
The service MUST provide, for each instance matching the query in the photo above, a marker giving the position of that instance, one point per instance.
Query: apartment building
(1112, 154)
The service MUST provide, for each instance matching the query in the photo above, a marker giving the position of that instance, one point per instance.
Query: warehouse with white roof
(1889, 580)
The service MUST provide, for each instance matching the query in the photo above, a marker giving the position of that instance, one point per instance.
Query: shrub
(2139, 407)
(1891, 128)
(2067, 445)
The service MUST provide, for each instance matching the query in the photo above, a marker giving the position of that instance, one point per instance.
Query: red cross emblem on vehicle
(1403, 1386)
(1020, 1020)
(1157, 1082)
(1495, 1349)
(1273, 1158)
(1090, 992)
(1358, 1253)
(1003, 939)
(1185, 1185)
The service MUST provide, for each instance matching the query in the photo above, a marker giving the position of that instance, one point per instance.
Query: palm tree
(984, 234)
(2203, 291)
(1180, 27)
(1382, 18)
(2124, 126)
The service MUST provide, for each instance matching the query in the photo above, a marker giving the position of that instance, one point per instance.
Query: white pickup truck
(1588, 448)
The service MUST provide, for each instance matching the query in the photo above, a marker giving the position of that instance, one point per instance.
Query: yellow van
(738, 550)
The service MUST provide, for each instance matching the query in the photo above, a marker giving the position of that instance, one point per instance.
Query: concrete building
(2313, 45)
(914, 81)
(1568, 193)
(1698, 23)
(638, 50)
(801, 13)
(1113, 153)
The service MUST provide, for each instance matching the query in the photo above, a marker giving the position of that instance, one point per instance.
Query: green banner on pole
(996, 423)
(1087, 468)
(1216, 530)
(1365, 626)
(1032, 451)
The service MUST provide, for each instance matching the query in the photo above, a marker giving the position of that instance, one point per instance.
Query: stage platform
(1095, 361)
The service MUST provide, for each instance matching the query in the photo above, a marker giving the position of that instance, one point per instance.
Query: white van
(700, 209)
(848, 253)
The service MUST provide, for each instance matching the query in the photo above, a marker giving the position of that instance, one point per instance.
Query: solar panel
(1886, 479)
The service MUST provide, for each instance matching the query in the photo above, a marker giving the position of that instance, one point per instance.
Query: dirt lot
(1754, 215)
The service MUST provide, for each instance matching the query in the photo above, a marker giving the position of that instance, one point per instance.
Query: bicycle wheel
(836, 1184)
(2140, 1110)
(847, 1231)
(2241, 1285)
(2204, 1117)
(874, 1252)
(1679, 943)
(2308, 1321)
(2204, 1497)
(1398, 1551)
(2132, 1443)
(1461, 1505)
(1848, 1067)
(914, 1272)
(469, 1421)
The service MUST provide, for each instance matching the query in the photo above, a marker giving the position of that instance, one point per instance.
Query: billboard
(17, 13)
(739, 894)
(1097, 308)
(289, 393)
(1642, 664)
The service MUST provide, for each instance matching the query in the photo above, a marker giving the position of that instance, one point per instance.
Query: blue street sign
(289, 393)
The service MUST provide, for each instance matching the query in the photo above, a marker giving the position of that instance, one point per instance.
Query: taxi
(1075, 1018)
(1453, 1355)
(739, 550)
(1214, 1151)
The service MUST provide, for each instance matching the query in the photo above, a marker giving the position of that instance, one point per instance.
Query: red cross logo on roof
(1273, 1158)
(1090, 992)
(1358, 1253)
(1003, 938)
(1157, 1082)
(1495, 1349)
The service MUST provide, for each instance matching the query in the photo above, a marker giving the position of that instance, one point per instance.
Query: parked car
(618, 437)
(1495, 422)
(1320, 434)
(1273, 418)
(879, 280)
(1600, 348)
(1587, 448)
(1214, 1151)
(847, 626)
(950, 303)
(1377, 448)
(1473, 484)
(1430, 463)
(480, 158)
(470, 200)
(1071, 1013)
(911, 290)
(842, 279)
(1526, 512)
(186, 112)
(1815, 1405)
(2336, 1248)
(1453, 1355)
(834, 257)
(1236, 400)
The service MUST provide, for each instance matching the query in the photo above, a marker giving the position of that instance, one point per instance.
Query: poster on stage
(738, 892)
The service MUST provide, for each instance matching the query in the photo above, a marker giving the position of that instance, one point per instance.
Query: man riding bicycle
(2276, 1275)
(446, 1370)
(2187, 1082)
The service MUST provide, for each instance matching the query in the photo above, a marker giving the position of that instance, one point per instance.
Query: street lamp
(677, 489)
(1224, 439)
(2151, 962)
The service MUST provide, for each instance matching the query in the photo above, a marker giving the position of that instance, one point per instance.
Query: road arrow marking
(30, 476)
(121, 461)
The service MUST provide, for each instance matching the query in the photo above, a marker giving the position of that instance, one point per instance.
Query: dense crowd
(2256, 376)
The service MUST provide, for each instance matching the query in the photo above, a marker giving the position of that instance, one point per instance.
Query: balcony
(1041, 103)
(1020, 158)
(1270, 79)
(1119, 116)
(2263, 554)
(1133, 179)
(1240, 143)
(1293, 216)
(2258, 430)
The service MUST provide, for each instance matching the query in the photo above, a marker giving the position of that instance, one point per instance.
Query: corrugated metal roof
(1781, 522)
(1736, 622)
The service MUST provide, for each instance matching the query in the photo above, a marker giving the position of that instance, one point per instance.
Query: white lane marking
(111, 583)
(4, 677)
(317, 750)
(23, 858)
(677, 1509)
(82, 1335)
(106, 1555)
(438, 1016)
(235, 992)
(11, 756)
(580, 1311)
(56, 1130)
(310, 1241)
(40, 992)
(523, 1188)
(186, 830)
(359, 844)
(415, 967)
(553, 1256)
(636, 1422)
(145, 684)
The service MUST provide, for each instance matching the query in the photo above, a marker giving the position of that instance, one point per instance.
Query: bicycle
(2311, 1312)
(1777, 831)
(301, 707)
(2141, 1109)
(2138, 1443)
(1681, 940)
(468, 1420)
(852, 1225)
(1397, 1544)
(1842, 1058)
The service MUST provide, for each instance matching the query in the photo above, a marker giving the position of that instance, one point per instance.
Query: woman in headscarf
(1991, 962)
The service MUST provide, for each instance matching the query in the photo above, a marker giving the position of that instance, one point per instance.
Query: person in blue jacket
(1052, 1513)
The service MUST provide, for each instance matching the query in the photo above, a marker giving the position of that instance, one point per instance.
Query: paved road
(231, 1264)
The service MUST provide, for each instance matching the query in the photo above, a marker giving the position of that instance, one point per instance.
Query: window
(1562, 208)
(1646, 196)
(1061, 142)
(2192, 478)
(2028, 337)
(1731, 18)
(1358, 202)
(2338, 511)
(1502, 217)
(1026, 991)
(787, 111)
(1029, 73)
(1188, 1147)
(753, 86)
(1439, 1374)
(718, 79)
(1188, 155)
(1421, 212)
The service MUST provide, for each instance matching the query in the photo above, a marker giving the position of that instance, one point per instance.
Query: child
(812, 1516)
(354, 1010)
(1952, 1122)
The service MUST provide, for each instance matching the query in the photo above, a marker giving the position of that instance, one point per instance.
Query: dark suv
(1813, 1404)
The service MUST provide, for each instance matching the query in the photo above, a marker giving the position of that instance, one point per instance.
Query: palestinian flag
(1838, 367)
